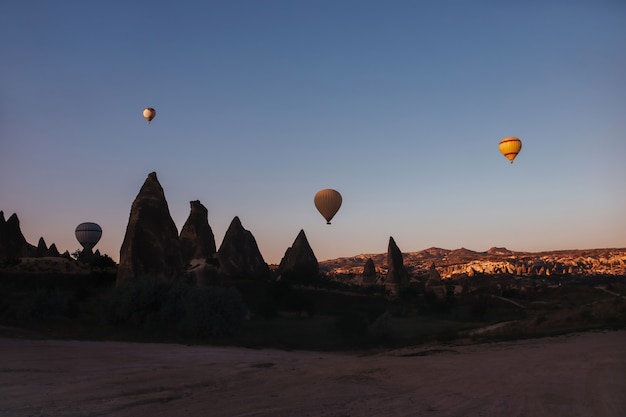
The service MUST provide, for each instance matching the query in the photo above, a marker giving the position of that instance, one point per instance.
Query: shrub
(351, 325)
(174, 307)
(46, 304)
(210, 312)
(103, 261)
(382, 328)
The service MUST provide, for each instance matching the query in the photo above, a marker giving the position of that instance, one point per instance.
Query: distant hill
(496, 260)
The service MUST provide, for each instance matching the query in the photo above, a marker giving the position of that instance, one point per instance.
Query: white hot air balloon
(88, 234)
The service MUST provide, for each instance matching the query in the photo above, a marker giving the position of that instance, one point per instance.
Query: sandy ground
(577, 375)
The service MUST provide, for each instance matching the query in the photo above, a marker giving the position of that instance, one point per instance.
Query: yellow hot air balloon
(149, 113)
(327, 202)
(510, 147)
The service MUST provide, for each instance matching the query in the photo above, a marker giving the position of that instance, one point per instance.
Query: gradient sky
(399, 105)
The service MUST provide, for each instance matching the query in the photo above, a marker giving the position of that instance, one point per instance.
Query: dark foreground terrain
(86, 304)
(581, 374)
(73, 344)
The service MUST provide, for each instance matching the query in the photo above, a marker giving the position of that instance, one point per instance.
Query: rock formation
(196, 237)
(368, 277)
(42, 248)
(151, 247)
(12, 241)
(299, 263)
(53, 251)
(434, 283)
(197, 245)
(239, 255)
(397, 275)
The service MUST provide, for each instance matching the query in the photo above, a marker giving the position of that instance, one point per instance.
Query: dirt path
(578, 375)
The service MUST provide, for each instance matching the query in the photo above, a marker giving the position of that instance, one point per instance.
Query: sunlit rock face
(151, 247)
(239, 255)
(462, 262)
(299, 263)
(397, 275)
(196, 237)
(12, 241)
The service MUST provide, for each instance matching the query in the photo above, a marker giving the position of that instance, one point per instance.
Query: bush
(210, 312)
(351, 325)
(103, 261)
(174, 308)
(382, 328)
(46, 304)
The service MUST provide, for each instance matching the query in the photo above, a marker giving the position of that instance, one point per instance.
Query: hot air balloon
(88, 234)
(149, 113)
(327, 202)
(510, 147)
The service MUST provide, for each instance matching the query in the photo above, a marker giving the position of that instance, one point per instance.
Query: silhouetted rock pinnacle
(299, 263)
(196, 237)
(434, 283)
(369, 272)
(53, 251)
(12, 241)
(151, 246)
(239, 255)
(42, 248)
(397, 275)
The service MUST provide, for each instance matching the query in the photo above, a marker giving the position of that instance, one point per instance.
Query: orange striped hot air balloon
(149, 113)
(327, 202)
(510, 147)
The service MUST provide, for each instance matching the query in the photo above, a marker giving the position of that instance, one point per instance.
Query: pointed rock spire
(299, 263)
(196, 237)
(369, 272)
(239, 254)
(42, 248)
(434, 277)
(397, 275)
(150, 247)
(53, 251)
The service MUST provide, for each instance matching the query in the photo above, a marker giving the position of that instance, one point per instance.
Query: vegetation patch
(324, 316)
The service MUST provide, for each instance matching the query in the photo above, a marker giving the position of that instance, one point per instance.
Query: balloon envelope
(149, 113)
(88, 234)
(510, 147)
(327, 202)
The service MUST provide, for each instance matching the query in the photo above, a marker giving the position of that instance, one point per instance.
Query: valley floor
(581, 374)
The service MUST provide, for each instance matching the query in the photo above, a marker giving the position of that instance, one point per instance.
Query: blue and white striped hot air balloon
(88, 234)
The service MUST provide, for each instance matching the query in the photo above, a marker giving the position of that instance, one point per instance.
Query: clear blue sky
(399, 105)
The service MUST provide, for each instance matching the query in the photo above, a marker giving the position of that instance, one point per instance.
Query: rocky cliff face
(151, 246)
(299, 263)
(196, 237)
(239, 255)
